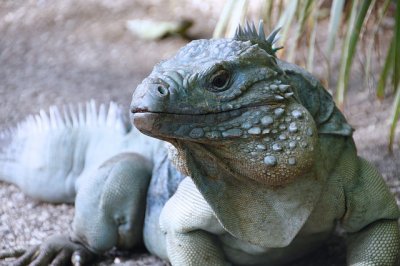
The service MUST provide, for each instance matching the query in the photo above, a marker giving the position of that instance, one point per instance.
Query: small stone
(277, 147)
(254, 131)
(297, 114)
(279, 111)
(234, 132)
(279, 98)
(309, 131)
(292, 161)
(293, 127)
(267, 120)
(273, 87)
(304, 144)
(282, 126)
(270, 160)
(196, 133)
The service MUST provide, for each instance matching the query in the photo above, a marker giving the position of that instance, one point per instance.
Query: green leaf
(394, 117)
(334, 22)
(354, 26)
(396, 78)
(387, 67)
(311, 46)
(286, 18)
(305, 7)
(369, 52)
(396, 72)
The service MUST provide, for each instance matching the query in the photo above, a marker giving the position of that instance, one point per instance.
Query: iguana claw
(56, 250)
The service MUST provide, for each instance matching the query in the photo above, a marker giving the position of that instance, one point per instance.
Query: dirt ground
(57, 52)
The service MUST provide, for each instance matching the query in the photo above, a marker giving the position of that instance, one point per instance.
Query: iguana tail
(47, 153)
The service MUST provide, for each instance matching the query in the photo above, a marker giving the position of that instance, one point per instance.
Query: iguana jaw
(226, 125)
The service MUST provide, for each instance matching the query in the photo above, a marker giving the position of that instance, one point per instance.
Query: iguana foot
(56, 250)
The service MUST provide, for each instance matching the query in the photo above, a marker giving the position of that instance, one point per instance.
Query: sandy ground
(56, 52)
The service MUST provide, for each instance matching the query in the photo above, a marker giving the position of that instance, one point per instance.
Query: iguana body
(271, 166)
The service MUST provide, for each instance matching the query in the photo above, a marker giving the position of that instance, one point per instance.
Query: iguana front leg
(376, 245)
(371, 220)
(109, 212)
(191, 228)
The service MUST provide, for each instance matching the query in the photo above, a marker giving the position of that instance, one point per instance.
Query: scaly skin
(269, 168)
(272, 162)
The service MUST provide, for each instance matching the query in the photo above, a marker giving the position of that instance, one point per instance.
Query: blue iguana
(267, 168)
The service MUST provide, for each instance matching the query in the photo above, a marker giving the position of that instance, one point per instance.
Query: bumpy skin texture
(267, 168)
(272, 162)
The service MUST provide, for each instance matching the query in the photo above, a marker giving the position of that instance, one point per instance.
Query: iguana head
(231, 96)
(246, 128)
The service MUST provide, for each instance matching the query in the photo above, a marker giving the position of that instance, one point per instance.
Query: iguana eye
(219, 80)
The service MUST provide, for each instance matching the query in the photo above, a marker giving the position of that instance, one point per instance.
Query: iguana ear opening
(249, 33)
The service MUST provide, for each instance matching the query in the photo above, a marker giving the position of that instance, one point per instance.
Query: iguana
(267, 168)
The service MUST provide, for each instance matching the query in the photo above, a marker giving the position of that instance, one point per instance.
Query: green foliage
(348, 21)
(357, 16)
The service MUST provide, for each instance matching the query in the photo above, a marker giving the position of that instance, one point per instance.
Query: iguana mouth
(237, 123)
(233, 111)
(158, 124)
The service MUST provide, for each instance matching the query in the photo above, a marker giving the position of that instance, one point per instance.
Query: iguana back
(47, 155)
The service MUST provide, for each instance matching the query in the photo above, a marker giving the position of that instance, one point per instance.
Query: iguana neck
(251, 204)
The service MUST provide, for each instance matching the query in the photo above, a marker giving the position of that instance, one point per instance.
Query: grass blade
(369, 52)
(396, 77)
(223, 20)
(356, 21)
(238, 17)
(394, 118)
(396, 72)
(311, 46)
(286, 19)
(386, 69)
(334, 22)
(266, 14)
(305, 7)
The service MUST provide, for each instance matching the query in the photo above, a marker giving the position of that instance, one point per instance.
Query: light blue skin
(271, 161)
